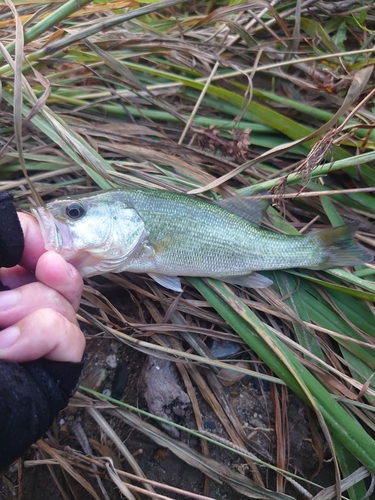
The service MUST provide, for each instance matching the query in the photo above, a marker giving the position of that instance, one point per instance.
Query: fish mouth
(56, 235)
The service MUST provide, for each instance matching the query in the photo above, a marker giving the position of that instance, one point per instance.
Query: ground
(250, 399)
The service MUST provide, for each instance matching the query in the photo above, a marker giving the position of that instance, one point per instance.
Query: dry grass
(213, 99)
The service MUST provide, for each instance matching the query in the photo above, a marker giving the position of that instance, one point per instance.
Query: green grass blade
(54, 18)
(348, 465)
(78, 150)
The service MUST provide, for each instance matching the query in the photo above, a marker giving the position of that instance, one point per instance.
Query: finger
(54, 272)
(16, 276)
(43, 333)
(34, 244)
(19, 303)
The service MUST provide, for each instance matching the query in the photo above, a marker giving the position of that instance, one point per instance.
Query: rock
(163, 393)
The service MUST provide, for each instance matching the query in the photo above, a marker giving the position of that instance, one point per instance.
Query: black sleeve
(31, 394)
(11, 235)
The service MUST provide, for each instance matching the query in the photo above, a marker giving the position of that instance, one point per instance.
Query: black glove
(33, 393)
(11, 235)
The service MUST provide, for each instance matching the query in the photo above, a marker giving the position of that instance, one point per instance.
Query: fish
(168, 235)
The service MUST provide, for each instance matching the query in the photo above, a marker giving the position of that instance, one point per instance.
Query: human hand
(37, 316)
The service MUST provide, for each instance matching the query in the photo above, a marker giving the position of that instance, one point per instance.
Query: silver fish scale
(198, 238)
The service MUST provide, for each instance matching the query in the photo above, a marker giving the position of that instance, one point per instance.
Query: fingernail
(8, 299)
(8, 337)
(69, 269)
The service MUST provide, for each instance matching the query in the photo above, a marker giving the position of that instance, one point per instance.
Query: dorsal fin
(251, 209)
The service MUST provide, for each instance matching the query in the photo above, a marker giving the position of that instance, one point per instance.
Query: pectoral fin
(253, 280)
(170, 282)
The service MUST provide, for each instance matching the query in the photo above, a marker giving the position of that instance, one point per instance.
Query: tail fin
(340, 247)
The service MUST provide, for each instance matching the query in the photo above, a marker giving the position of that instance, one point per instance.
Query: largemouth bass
(167, 235)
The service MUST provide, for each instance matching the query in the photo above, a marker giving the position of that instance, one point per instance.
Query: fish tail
(340, 249)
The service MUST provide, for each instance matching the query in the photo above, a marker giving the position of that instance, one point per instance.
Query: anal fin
(170, 282)
(253, 280)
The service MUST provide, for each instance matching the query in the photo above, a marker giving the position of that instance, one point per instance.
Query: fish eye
(74, 210)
